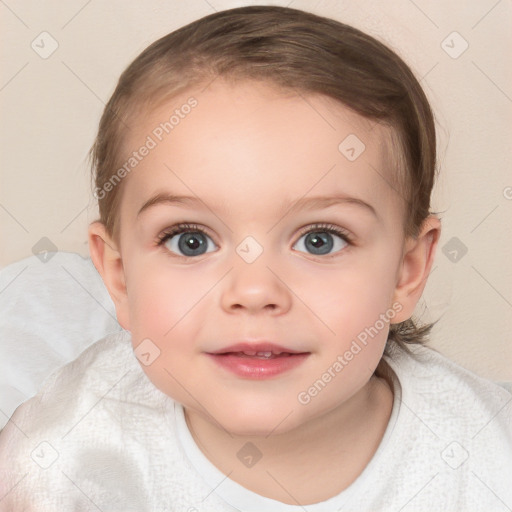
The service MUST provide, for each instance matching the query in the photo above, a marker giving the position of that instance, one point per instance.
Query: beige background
(51, 107)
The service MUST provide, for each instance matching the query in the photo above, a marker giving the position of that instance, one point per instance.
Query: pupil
(190, 242)
(317, 241)
(321, 242)
(193, 243)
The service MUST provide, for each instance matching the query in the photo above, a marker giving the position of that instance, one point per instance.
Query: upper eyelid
(183, 227)
(328, 226)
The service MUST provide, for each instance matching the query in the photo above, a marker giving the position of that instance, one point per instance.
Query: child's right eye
(186, 240)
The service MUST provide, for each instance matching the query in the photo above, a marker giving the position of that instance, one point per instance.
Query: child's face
(245, 155)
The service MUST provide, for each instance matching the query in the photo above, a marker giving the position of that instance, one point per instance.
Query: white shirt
(100, 436)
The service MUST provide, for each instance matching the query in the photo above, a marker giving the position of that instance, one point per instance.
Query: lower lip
(257, 368)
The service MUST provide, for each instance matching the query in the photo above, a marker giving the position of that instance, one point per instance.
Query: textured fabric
(100, 436)
(52, 307)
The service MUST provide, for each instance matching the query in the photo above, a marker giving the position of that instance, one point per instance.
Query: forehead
(247, 145)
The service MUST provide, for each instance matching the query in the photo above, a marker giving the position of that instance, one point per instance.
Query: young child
(264, 179)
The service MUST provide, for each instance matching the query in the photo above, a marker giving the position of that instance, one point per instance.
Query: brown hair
(295, 50)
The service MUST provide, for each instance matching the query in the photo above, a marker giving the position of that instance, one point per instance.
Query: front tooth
(249, 352)
(264, 354)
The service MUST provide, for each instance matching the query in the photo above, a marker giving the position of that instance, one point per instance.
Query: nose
(254, 288)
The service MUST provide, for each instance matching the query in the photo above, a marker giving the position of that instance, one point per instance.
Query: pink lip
(256, 347)
(234, 360)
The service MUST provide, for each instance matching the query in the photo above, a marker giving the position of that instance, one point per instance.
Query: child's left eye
(322, 239)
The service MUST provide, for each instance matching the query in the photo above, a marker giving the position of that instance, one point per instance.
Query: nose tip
(254, 288)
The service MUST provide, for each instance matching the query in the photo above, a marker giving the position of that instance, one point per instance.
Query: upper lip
(255, 347)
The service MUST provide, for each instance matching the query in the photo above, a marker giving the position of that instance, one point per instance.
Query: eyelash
(177, 230)
(328, 228)
(319, 227)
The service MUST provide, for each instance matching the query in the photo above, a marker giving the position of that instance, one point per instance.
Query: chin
(254, 430)
(256, 422)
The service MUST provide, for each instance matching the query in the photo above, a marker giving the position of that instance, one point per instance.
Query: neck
(310, 463)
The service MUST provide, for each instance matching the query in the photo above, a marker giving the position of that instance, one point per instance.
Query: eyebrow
(308, 203)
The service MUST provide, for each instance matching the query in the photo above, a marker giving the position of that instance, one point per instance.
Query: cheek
(159, 300)
(352, 297)
(167, 305)
(355, 305)
(162, 309)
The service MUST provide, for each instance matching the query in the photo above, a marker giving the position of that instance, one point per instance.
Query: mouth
(257, 355)
(258, 361)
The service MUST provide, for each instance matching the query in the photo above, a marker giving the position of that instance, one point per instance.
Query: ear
(106, 257)
(417, 260)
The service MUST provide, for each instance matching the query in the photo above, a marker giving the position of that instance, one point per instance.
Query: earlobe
(415, 267)
(106, 257)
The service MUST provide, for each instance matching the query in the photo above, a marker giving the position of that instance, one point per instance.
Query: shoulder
(454, 429)
(93, 424)
(448, 396)
(91, 374)
(107, 375)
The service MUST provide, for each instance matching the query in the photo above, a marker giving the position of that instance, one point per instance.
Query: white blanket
(51, 309)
